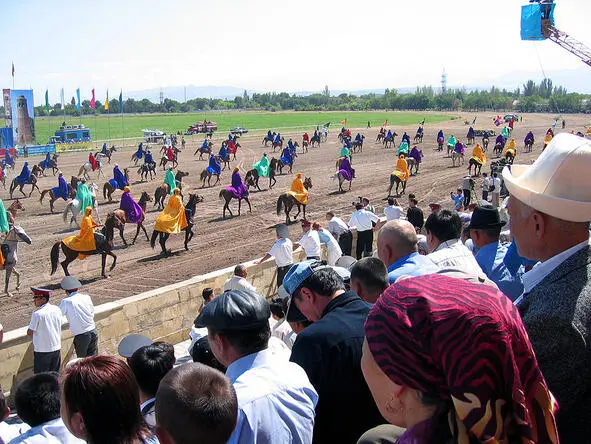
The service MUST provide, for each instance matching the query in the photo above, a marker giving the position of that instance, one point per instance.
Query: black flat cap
(235, 310)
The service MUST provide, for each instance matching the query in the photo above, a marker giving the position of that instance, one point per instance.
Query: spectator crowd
(470, 325)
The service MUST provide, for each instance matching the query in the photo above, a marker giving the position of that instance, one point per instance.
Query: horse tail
(222, 193)
(105, 187)
(65, 212)
(55, 256)
(280, 203)
(153, 238)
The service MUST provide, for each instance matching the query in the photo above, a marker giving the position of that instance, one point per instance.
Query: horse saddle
(189, 216)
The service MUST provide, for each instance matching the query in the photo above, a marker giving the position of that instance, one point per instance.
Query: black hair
(3, 405)
(278, 307)
(207, 293)
(444, 225)
(247, 341)
(149, 365)
(323, 281)
(371, 273)
(201, 352)
(390, 200)
(37, 398)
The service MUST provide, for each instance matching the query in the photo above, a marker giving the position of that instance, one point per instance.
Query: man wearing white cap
(79, 311)
(550, 209)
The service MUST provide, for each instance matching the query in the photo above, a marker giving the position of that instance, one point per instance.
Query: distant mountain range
(576, 80)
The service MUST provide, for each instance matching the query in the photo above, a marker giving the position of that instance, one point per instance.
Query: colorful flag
(422, 123)
(344, 122)
(78, 97)
(474, 121)
(62, 97)
(92, 100)
(47, 100)
(13, 70)
(107, 102)
(121, 102)
(385, 123)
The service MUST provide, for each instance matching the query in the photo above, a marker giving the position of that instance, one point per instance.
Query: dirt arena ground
(225, 242)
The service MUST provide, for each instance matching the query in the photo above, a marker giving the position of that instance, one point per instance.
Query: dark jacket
(415, 216)
(329, 351)
(557, 317)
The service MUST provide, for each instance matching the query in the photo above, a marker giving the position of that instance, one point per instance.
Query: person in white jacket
(333, 247)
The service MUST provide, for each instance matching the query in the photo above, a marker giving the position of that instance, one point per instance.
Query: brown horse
(228, 196)
(122, 218)
(13, 209)
(164, 190)
(104, 246)
(194, 199)
(206, 175)
(37, 171)
(32, 181)
(252, 176)
(287, 201)
(52, 164)
(109, 189)
(72, 186)
(278, 144)
(394, 179)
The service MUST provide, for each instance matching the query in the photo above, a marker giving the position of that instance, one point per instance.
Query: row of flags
(78, 101)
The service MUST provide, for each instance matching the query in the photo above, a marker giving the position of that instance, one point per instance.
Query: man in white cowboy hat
(550, 210)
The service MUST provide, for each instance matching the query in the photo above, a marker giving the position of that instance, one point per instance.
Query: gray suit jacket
(557, 317)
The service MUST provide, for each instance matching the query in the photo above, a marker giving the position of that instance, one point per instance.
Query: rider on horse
(529, 138)
(269, 136)
(204, 145)
(83, 195)
(148, 159)
(406, 138)
(500, 140)
(8, 159)
(478, 155)
(511, 148)
(105, 150)
(291, 146)
(62, 188)
(315, 136)
(140, 151)
(231, 146)
(505, 132)
(92, 161)
(238, 189)
(306, 138)
(133, 212)
(403, 148)
(451, 142)
(459, 148)
(389, 135)
(416, 154)
(346, 170)
(170, 154)
(25, 175)
(440, 136)
(262, 166)
(277, 138)
(401, 169)
(286, 156)
(358, 138)
(84, 241)
(172, 219)
(214, 166)
(118, 181)
(223, 154)
(420, 130)
(345, 152)
(548, 138)
(471, 133)
(46, 163)
(170, 180)
(298, 190)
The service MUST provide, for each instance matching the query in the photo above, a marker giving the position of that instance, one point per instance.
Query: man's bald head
(396, 239)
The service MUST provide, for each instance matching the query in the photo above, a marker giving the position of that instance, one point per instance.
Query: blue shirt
(491, 259)
(413, 264)
(276, 400)
(458, 200)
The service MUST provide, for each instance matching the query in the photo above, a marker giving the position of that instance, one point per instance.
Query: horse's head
(308, 183)
(145, 196)
(126, 173)
(16, 205)
(17, 234)
(93, 188)
(180, 174)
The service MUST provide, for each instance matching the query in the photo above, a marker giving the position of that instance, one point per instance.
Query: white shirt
(337, 226)
(362, 220)
(46, 323)
(238, 283)
(486, 184)
(283, 331)
(497, 183)
(79, 310)
(282, 251)
(454, 254)
(49, 432)
(11, 431)
(542, 269)
(310, 242)
(392, 212)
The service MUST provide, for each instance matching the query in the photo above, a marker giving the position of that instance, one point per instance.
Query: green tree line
(531, 97)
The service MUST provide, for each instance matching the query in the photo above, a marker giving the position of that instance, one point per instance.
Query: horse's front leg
(239, 206)
(121, 234)
(8, 270)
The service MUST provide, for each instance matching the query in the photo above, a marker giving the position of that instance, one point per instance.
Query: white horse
(75, 209)
(87, 167)
(14, 236)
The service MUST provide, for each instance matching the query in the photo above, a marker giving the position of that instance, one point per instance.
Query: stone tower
(24, 127)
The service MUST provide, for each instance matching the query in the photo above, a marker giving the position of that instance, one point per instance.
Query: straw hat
(556, 183)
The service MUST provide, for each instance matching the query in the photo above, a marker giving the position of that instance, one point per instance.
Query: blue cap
(298, 273)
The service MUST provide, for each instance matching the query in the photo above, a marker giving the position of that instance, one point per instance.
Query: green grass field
(257, 122)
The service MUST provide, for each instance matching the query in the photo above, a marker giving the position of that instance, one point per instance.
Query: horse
(120, 215)
(134, 157)
(164, 160)
(315, 140)
(145, 169)
(484, 144)
(477, 167)
(52, 164)
(469, 140)
(109, 189)
(108, 154)
(457, 156)
(412, 163)
(252, 176)
(340, 160)
(498, 149)
(36, 171)
(266, 139)
(394, 179)
(509, 157)
(389, 141)
(74, 206)
(32, 181)
(206, 174)
(194, 199)
(342, 179)
(440, 143)
(13, 210)
(204, 150)
(380, 137)
(72, 186)
(104, 246)
(15, 235)
(228, 196)
(281, 165)
(163, 190)
(278, 144)
(529, 146)
(418, 138)
(450, 149)
(287, 201)
(87, 167)
(358, 146)
(304, 146)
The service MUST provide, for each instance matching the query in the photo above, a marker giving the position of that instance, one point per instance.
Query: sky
(270, 45)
